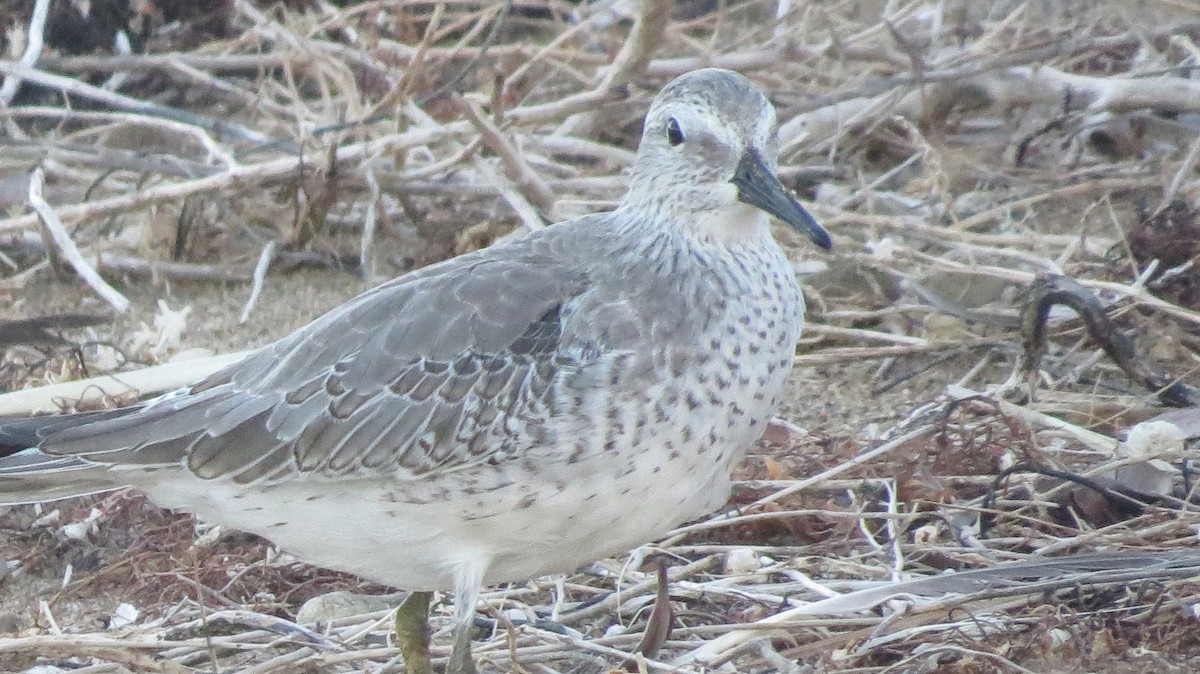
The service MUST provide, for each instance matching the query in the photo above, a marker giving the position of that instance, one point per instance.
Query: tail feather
(21, 434)
(28, 475)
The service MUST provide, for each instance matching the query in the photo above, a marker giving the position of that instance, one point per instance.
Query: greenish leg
(461, 661)
(412, 633)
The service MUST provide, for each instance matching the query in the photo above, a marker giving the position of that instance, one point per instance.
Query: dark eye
(674, 133)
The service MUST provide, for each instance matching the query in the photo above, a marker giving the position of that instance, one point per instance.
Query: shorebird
(516, 411)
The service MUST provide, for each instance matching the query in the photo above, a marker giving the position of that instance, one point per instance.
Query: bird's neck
(733, 225)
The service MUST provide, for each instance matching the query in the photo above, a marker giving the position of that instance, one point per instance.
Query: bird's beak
(758, 186)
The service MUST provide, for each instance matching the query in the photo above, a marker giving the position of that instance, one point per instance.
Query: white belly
(534, 526)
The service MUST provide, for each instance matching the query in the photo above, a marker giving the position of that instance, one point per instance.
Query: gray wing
(435, 370)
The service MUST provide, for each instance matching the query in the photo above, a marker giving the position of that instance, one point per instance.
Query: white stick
(66, 247)
(260, 274)
(369, 224)
(142, 382)
(33, 49)
(782, 9)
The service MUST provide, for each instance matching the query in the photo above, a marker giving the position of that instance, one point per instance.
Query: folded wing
(434, 371)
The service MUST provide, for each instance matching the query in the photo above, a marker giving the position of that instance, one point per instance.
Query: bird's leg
(467, 581)
(412, 632)
(461, 660)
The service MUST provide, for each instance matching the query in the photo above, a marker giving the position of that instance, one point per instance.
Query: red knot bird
(509, 413)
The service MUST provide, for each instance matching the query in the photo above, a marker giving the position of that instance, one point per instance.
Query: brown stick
(528, 181)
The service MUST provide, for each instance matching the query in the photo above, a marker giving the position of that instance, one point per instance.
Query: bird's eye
(674, 133)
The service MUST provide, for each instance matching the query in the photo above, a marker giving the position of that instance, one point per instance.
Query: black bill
(758, 186)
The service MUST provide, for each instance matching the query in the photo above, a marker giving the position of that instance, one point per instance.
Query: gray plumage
(519, 410)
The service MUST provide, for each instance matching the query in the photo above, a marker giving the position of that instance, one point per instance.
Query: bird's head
(708, 153)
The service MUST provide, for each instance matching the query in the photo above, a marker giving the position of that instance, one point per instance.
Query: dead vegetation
(1013, 192)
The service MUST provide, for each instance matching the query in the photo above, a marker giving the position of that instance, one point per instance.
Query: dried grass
(975, 146)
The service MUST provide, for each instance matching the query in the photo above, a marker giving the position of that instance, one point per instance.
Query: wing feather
(418, 375)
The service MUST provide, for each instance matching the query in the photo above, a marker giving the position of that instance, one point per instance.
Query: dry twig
(66, 247)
